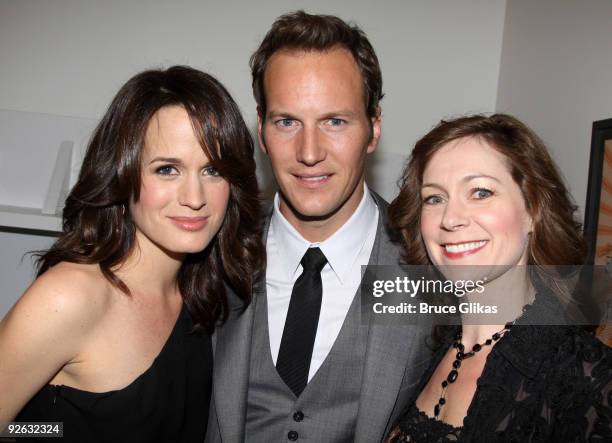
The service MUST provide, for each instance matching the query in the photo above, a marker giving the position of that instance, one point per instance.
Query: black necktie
(300, 330)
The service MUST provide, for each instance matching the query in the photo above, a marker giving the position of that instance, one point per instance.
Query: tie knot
(313, 260)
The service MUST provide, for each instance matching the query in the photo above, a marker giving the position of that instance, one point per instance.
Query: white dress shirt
(346, 251)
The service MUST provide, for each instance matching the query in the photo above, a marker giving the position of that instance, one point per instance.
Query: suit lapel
(387, 352)
(232, 363)
(231, 375)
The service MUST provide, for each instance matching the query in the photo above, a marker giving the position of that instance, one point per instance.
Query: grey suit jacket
(395, 359)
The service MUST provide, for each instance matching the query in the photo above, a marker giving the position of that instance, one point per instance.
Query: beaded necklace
(462, 355)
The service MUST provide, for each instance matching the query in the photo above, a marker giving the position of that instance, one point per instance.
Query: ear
(376, 122)
(260, 135)
(529, 224)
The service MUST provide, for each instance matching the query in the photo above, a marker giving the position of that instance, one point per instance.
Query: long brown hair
(556, 238)
(97, 226)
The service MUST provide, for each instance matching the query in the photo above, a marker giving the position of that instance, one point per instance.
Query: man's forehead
(313, 76)
(338, 55)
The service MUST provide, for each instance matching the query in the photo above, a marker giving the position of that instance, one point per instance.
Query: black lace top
(416, 426)
(539, 384)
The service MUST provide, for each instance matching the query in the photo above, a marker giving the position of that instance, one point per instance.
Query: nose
(455, 216)
(192, 192)
(310, 150)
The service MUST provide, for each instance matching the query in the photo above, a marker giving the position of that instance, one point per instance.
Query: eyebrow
(280, 114)
(332, 114)
(173, 160)
(465, 179)
(340, 113)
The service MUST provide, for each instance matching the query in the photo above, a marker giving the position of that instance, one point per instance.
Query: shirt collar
(341, 248)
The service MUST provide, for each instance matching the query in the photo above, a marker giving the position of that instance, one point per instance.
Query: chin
(314, 211)
(187, 247)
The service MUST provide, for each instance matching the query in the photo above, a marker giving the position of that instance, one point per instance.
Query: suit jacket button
(292, 435)
(298, 416)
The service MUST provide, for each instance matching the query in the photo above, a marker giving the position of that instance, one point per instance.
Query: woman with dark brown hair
(481, 196)
(160, 236)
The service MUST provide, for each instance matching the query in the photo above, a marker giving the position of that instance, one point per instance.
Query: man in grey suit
(303, 362)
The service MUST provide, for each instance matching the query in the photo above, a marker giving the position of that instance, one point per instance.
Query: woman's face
(182, 198)
(473, 212)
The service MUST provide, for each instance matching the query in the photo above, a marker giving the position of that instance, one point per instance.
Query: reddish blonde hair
(556, 238)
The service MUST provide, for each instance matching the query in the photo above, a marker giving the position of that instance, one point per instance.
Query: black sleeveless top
(167, 403)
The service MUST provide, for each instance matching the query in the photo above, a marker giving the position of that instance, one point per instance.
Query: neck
(316, 229)
(149, 269)
(509, 293)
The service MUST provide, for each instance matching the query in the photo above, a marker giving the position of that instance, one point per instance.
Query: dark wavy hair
(556, 238)
(308, 32)
(97, 226)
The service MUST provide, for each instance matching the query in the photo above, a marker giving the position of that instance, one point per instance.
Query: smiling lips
(313, 181)
(190, 223)
(459, 250)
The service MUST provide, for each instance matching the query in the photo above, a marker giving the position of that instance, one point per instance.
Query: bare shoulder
(79, 280)
(66, 297)
(46, 329)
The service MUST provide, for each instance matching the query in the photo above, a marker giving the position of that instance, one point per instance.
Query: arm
(40, 335)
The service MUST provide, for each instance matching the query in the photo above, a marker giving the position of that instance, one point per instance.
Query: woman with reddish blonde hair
(482, 192)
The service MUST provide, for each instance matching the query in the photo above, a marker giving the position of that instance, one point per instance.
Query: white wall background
(16, 272)
(69, 57)
(556, 75)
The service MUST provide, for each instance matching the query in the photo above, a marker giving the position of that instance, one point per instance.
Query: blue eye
(433, 200)
(481, 193)
(284, 122)
(166, 170)
(336, 121)
(211, 171)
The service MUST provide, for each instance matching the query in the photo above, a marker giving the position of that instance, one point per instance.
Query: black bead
(452, 376)
(508, 325)
(437, 410)
(460, 355)
(461, 347)
(456, 364)
(476, 347)
(441, 401)
(445, 384)
(488, 342)
(496, 336)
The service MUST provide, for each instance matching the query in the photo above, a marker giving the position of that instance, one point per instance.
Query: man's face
(317, 135)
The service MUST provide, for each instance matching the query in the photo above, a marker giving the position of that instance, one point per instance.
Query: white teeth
(315, 179)
(463, 247)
